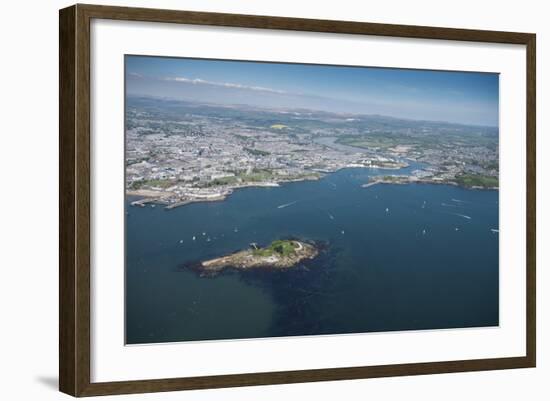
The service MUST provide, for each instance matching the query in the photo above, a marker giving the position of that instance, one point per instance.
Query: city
(180, 152)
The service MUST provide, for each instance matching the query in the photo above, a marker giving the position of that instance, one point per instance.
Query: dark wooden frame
(74, 199)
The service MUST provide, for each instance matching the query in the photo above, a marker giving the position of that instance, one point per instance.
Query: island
(280, 254)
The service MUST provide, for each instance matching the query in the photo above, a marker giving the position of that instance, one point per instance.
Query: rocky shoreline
(280, 254)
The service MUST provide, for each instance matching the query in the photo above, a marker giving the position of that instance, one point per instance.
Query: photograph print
(271, 199)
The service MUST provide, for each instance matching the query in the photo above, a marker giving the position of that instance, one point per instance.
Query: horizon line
(307, 109)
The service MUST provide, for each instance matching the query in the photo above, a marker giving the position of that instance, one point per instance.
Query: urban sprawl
(180, 152)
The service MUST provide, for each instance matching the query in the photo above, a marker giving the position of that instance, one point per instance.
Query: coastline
(163, 197)
(279, 255)
(416, 180)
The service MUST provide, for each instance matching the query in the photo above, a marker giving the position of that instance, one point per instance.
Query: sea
(393, 258)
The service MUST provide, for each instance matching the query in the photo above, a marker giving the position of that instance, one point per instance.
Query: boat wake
(462, 215)
(286, 205)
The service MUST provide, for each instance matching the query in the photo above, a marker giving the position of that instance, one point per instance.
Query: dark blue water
(419, 265)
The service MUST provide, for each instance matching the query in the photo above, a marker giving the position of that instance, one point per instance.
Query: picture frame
(75, 199)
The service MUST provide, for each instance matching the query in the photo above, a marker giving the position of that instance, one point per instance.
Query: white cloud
(198, 81)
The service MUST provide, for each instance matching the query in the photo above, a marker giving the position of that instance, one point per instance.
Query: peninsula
(469, 181)
(280, 254)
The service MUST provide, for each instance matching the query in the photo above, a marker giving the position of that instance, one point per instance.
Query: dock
(144, 201)
(195, 200)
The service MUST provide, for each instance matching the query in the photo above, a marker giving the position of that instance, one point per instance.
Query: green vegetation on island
(280, 254)
(281, 247)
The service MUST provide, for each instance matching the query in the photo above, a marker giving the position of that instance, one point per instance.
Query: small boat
(387, 210)
(181, 241)
(203, 234)
(286, 205)
(342, 232)
(423, 232)
(194, 238)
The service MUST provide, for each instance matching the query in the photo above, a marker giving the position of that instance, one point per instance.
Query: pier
(144, 201)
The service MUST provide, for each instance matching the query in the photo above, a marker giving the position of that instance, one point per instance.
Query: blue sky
(467, 98)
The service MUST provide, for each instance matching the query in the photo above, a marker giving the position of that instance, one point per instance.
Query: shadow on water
(396, 258)
(298, 293)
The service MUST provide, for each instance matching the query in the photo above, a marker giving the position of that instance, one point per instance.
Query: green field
(385, 140)
(152, 183)
(471, 180)
(368, 141)
(282, 247)
(279, 126)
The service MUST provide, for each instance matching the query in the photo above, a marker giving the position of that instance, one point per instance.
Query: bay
(395, 257)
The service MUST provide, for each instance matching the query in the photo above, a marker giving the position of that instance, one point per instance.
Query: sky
(458, 97)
